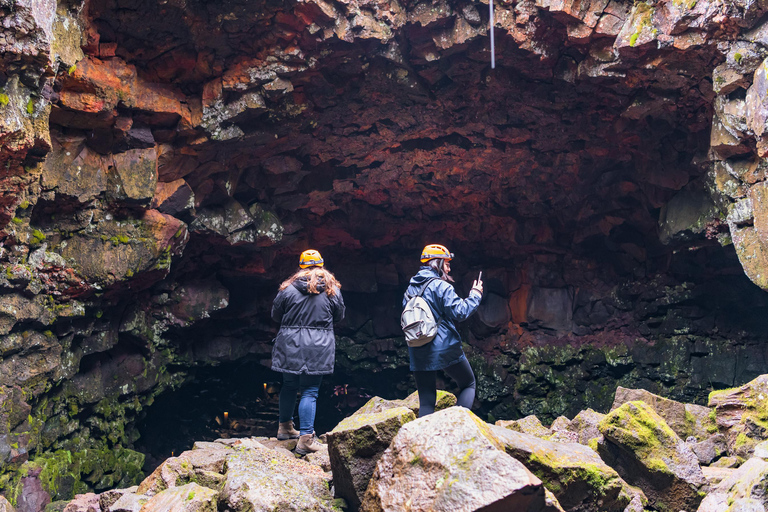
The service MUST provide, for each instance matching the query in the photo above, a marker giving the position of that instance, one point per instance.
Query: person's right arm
(453, 306)
(337, 302)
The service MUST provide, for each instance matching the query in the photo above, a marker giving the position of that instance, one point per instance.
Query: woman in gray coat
(307, 305)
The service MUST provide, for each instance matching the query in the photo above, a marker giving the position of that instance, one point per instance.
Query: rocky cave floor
(647, 454)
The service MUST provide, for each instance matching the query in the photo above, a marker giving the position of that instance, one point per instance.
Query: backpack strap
(421, 290)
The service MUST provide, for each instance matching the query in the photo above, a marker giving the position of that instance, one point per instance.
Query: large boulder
(647, 453)
(573, 472)
(204, 466)
(529, 425)
(451, 461)
(684, 419)
(187, 498)
(260, 479)
(746, 482)
(585, 425)
(378, 404)
(355, 446)
(743, 414)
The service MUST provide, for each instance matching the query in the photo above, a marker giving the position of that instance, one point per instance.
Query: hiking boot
(307, 444)
(286, 431)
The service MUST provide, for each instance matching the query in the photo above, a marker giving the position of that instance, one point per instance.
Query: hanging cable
(493, 47)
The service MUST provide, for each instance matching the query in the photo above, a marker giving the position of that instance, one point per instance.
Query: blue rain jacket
(445, 350)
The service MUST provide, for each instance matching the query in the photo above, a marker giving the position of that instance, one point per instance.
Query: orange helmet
(310, 258)
(435, 251)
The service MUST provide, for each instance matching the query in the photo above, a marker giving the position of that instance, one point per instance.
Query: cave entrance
(248, 392)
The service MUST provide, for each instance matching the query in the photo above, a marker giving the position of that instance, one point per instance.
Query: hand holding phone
(478, 284)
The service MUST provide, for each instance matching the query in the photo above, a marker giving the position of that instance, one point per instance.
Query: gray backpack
(418, 320)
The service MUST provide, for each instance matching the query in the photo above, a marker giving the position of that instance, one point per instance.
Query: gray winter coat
(305, 343)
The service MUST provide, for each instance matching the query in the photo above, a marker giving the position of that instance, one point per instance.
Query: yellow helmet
(435, 251)
(310, 258)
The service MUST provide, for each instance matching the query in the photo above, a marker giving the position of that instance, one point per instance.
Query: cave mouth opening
(248, 392)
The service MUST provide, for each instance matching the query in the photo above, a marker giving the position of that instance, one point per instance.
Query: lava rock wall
(163, 163)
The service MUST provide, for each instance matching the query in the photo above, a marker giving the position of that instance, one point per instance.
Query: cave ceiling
(374, 128)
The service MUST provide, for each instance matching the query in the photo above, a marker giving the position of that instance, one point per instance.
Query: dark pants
(426, 384)
(310, 387)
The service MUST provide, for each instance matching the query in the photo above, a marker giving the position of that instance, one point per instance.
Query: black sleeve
(278, 307)
(338, 307)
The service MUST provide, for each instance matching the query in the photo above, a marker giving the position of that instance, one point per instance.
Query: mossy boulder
(684, 419)
(648, 454)
(378, 404)
(584, 425)
(740, 487)
(202, 465)
(573, 472)
(355, 446)
(264, 479)
(187, 498)
(118, 250)
(449, 461)
(65, 473)
(743, 414)
(529, 425)
(128, 502)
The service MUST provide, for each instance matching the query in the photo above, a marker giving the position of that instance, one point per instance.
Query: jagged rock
(684, 419)
(263, 479)
(118, 251)
(579, 479)
(355, 446)
(585, 424)
(5, 505)
(716, 475)
(726, 462)
(32, 497)
(109, 498)
(686, 215)
(528, 425)
(187, 498)
(128, 502)
(132, 177)
(742, 413)
(745, 482)
(97, 86)
(320, 458)
(648, 454)
(192, 465)
(710, 449)
(761, 450)
(84, 503)
(239, 224)
(378, 404)
(173, 198)
(746, 505)
(450, 460)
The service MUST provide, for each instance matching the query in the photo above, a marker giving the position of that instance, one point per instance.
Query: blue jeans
(310, 387)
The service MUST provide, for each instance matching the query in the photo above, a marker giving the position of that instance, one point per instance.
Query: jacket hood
(302, 284)
(424, 274)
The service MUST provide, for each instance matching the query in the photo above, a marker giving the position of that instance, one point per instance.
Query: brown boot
(307, 444)
(286, 431)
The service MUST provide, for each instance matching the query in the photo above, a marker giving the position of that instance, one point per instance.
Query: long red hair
(314, 275)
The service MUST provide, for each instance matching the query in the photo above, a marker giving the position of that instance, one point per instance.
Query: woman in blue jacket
(307, 305)
(444, 352)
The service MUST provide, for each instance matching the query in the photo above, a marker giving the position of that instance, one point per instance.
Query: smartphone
(480, 277)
